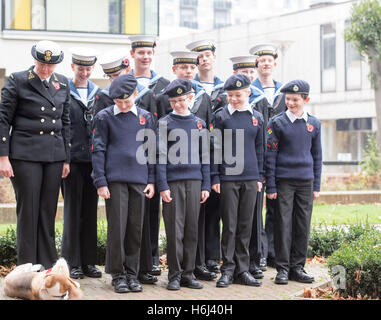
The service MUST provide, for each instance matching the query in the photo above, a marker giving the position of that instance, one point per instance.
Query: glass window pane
(328, 57)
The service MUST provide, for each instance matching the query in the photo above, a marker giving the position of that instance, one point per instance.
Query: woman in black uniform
(35, 149)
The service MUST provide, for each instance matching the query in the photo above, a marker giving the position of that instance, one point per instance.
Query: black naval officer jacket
(34, 120)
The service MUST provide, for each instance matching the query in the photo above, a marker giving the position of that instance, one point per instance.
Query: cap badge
(48, 55)
(238, 84)
(125, 96)
(179, 91)
(295, 88)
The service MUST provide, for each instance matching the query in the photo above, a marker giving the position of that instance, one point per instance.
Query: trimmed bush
(361, 260)
(8, 248)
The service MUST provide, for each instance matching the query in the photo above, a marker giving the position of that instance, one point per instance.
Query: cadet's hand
(204, 195)
(259, 184)
(216, 187)
(149, 190)
(166, 196)
(104, 192)
(316, 195)
(272, 196)
(65, 170)
(5, 167)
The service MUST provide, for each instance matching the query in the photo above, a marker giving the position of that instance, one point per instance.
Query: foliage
(8, 248)
(361, 260)
(371, 163)
(364, 32)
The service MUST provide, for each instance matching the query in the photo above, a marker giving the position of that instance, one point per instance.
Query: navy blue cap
(237, 82)
(178, 87)
(123, 86)
(296, 86)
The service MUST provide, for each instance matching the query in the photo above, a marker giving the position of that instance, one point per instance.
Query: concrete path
(101, 289)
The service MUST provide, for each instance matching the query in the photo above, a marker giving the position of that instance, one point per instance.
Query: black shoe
(224, 281)
(256, 273)
(263, 264)
(134, 284)
(76, 273)
(91, 271)
(300, 275)
(174, 284)
(281, 277)
(190, 283)
(202, 273)
(147, 278)
(213, 266)
(120, 285)
(247, 279)
(156, 271)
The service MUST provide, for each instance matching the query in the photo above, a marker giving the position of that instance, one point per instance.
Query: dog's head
(59, 287)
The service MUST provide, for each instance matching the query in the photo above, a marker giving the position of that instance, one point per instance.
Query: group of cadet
(71, 135)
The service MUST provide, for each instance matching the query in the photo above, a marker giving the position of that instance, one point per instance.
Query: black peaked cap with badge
(178, 87)
(296, 86)
(123, 87)
(237, 82)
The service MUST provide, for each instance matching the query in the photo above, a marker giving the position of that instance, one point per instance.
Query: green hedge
(361, 260)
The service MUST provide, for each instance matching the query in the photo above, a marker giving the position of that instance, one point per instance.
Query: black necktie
(46, 84)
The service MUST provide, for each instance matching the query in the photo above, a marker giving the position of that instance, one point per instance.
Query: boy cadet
(142, 52)
(269, 101)
(122, 180)
(183, 183)
(214, 88)
(238, 189)
(79, 241)
(293, 173)
(184, 66)
(114, 64)
(245, 65)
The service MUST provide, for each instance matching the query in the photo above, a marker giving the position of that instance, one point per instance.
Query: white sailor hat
(265, 49)
(139, 41)
(114, 61)
(244, 62)
(48, 52)
(201, 45)
(83, 56)
(189, 57)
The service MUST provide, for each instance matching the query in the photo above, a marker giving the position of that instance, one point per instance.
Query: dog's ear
(48, 281)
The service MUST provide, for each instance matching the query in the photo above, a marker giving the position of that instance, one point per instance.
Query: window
(221, 18)
(188, 14)
(328, 57)
(101, 16)
(352, 67)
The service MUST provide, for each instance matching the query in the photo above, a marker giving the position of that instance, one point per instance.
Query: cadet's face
(113, 76)
(44, 70)
(206, 60)
(295, 103)
(238, 98)
(250, 72)
(142, 56)
(82, 73)
(125, 105)
(185, 70)
(180, 104)
(266, 65)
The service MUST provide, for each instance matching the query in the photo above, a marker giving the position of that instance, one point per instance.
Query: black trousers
(237, 210)
(125, 214)
(256, 247)
(292, 223)
(200, 253)
(212, 227)
(36, 186)
(146, 258)
(154, 215)
(268, 250)
(181, 227)
(79, 240)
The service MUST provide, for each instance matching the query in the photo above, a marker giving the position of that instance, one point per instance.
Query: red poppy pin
(310, 127)
(56, 85)
(210, 127)
(199, 125)
(255, 122)
(142, 120)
